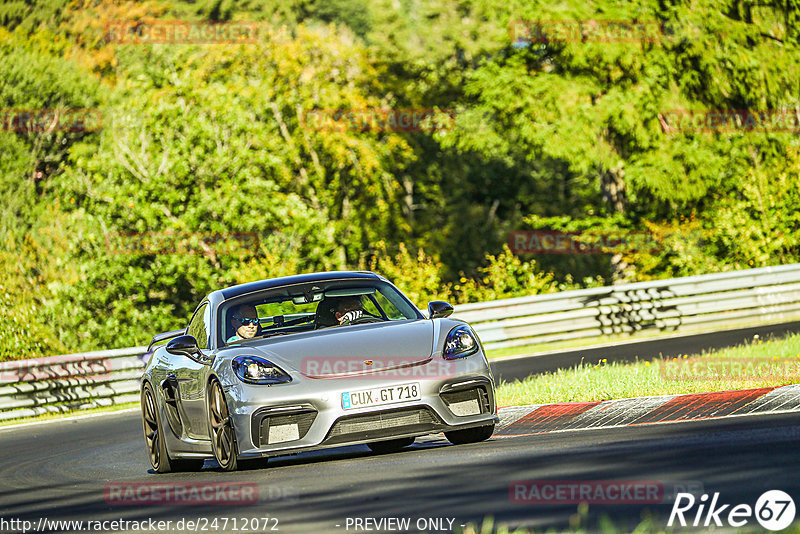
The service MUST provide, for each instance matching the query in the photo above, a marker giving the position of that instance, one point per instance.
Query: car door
(191, 375)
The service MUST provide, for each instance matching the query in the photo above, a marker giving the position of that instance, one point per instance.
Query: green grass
(579, 524)
(606, 339)
(777, 360)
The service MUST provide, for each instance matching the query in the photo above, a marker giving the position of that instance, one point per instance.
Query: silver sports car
(311, 361)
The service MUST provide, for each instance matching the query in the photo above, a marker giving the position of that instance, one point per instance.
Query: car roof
(260, 285)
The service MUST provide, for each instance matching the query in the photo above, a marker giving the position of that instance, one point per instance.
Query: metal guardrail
(678, 305)
(74, 381)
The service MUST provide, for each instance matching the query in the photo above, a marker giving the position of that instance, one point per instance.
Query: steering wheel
(364, 319)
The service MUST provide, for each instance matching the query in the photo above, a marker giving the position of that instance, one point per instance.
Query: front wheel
(153, 434)
(470, 435)
(223, 438)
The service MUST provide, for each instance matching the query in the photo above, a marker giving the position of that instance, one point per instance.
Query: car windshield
(314, 306)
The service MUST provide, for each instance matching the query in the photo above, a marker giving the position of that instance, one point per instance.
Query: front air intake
(284, 427)
(382, 424)
(465, 402)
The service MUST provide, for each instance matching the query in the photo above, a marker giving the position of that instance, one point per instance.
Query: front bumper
(308, 414)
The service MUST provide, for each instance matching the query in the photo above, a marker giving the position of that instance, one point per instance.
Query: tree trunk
(612, 189)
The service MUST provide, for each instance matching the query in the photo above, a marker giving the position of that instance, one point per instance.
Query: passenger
(348, 310)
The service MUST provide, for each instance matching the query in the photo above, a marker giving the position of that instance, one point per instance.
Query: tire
(220, 429)
(470, 435)
(153, 433)
(154, 439)
(390, 445)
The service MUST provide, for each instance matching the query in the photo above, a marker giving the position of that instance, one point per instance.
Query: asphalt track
(519, 368)
(59, 471)
(63, 470)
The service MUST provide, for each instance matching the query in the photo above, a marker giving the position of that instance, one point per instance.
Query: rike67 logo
(774, 510)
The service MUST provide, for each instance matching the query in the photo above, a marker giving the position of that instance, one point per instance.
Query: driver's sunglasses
(247, 320)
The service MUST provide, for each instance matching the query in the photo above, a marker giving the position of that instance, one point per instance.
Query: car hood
(352, 350)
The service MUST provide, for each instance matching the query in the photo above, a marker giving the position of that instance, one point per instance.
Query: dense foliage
(211, 142)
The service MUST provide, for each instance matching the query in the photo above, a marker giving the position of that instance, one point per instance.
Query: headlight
(255, 370)
(460, 342)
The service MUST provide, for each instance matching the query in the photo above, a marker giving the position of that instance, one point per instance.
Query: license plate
(378, 396)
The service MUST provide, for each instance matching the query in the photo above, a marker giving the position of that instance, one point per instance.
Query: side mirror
(438, 309)
(184, 346)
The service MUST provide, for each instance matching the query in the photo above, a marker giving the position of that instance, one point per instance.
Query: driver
(348, 310)
(245, 322)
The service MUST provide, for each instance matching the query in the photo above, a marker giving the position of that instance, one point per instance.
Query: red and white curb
(542, 418)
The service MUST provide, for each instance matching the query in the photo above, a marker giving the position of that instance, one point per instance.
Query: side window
(369, 306)
(198, 326)
(391, 310)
